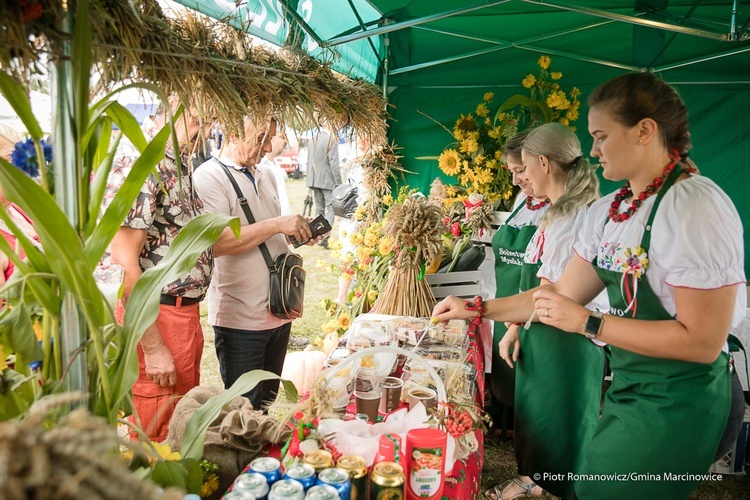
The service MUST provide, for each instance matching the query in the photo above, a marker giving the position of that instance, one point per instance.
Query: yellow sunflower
(529, 81)
(556, 75)
(482, 110)
(544, 62)
(466, 123)
(344, 321)
(488, 96)
(449, 162)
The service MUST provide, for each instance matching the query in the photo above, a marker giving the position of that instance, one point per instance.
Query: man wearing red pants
(169, 353)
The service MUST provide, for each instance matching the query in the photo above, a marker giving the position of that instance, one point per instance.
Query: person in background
(347, 226)
(247, 336)
(323, 173)
(170, 351)
(8, 140)
(508, 245)
(278, 143)
(676, 285)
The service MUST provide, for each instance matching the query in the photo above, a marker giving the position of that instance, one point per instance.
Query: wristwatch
(593, 325)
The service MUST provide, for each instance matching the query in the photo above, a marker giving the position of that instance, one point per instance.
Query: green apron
(660, 416)
(508, 245)
(558, 394)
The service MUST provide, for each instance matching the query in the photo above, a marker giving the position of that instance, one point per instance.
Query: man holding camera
(247, 336)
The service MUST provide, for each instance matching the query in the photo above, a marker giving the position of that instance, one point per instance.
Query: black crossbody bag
(287, 277)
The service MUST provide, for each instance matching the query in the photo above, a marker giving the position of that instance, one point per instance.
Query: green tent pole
(386, 46)
(73, 333)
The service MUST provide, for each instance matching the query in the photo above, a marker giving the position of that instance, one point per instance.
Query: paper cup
(426, 396)
(391, 397)
(367, 402)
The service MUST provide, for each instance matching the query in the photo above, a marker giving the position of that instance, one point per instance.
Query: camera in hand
(318, 226)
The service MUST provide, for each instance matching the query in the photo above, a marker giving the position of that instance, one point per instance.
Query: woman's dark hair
(512, 148)
(631, 98)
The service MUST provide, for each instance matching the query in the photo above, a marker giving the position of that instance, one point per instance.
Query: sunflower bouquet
(475, 158)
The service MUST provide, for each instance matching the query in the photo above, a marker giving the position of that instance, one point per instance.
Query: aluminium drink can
(356, 467)
(268, 467)
(319, 459)
(339, 479)
(387, 481)
(286, 489)
(251, 483)
(302, 473)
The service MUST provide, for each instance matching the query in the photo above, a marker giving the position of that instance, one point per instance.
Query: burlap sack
(233, 439)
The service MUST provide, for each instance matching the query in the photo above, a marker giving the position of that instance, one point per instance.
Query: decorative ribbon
(626, 292)
(538, 247)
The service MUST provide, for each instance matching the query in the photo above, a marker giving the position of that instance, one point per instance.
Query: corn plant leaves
(195, 432)
(104, 157)
(123, 200)
(34, 256)
(16, 329)
(143, 305)
(15, 95)
(128, 124)
(81, 70)
(63, 248)
(168, 473)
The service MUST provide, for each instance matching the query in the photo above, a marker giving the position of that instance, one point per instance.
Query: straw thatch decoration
(206, 62)
(379, 167)
(416, 226)
(76, 457)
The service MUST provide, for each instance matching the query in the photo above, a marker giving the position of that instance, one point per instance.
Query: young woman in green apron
(675, 278)
(558, 376)
(508, 245)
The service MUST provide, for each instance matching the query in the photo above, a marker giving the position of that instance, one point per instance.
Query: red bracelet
(476, 304)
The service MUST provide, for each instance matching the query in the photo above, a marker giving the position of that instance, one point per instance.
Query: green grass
(499, 464)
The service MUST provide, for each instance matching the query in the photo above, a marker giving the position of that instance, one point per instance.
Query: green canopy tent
(439, 57)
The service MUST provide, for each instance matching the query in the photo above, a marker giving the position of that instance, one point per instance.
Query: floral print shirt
(162, 214)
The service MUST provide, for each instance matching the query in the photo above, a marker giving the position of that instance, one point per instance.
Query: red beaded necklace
(530, 205)
(625, 191)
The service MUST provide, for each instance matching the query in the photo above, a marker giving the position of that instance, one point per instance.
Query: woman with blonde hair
(558, 377)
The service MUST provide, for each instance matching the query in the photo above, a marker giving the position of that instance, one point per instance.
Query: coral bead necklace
(530, 205)
(652, 188)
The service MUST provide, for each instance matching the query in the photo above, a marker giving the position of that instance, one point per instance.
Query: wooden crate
(464, 284)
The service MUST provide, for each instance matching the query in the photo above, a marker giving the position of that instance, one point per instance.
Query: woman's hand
(451, 308)
(559, 311)
(510, 340)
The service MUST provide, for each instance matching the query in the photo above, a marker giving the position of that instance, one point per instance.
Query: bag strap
(248, 213)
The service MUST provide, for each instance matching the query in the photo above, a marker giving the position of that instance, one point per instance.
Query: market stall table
(465, 478)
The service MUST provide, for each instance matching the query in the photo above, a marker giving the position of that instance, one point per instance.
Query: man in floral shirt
(170, 351)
